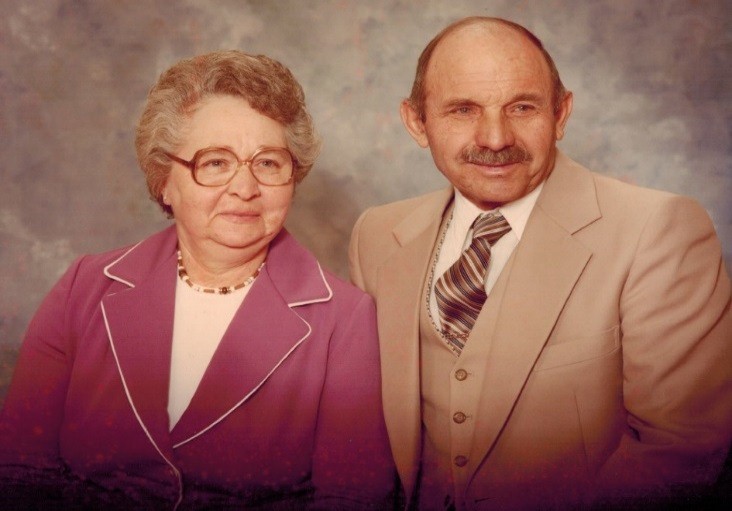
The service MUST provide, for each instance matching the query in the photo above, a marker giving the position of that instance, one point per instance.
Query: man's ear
(413, 122)
(562, 115)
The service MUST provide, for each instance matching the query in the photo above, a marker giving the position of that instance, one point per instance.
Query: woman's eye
(267, 166)
(215, 164)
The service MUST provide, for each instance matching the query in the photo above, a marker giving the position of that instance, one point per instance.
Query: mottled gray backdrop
(652, 106)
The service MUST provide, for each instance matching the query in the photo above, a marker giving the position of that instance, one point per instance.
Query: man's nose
(494, 131)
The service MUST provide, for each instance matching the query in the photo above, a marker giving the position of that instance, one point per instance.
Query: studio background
(652, 83)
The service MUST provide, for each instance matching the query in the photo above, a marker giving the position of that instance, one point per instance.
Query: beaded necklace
(183, 274)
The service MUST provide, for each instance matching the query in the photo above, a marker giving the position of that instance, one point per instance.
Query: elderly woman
(215, 363)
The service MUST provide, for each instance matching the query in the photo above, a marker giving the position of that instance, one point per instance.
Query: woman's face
(242, 214)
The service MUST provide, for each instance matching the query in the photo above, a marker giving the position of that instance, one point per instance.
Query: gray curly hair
(267, 85)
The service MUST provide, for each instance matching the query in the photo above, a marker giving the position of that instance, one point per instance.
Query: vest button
(461, 374)
(461, 461)
(459, 417)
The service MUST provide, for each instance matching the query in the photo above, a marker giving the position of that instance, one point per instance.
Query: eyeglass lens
(218, 166)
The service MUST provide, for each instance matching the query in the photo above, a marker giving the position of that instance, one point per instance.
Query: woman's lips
(240, 216)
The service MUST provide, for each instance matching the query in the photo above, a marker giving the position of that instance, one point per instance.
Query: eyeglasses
(216, 166)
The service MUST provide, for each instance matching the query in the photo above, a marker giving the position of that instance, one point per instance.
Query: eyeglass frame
(191, 164)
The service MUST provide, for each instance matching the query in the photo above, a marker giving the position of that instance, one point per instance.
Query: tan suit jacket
(605, 359)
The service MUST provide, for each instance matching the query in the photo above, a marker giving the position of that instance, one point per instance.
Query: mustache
(485, 156)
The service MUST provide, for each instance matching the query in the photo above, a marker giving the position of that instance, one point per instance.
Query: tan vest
(449, 386)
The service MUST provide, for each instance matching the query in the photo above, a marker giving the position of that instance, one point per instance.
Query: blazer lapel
(263, 332)
(139, 322)
(399, 288)
(262, 335)
(543, 270)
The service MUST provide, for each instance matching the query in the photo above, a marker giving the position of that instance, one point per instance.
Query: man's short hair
(417, 96)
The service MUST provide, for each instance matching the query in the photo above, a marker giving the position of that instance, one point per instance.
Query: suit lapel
(264, 332)
(540, 277)
(146, 292)
(139, 322)
(398, 319)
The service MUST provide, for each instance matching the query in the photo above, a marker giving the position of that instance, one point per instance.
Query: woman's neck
(219, 268)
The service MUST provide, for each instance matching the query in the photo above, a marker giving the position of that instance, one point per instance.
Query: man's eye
(462, 110)
(524, 108)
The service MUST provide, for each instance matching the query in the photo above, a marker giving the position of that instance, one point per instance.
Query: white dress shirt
(459, 235)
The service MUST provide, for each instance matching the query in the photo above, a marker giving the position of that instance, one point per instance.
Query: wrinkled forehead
(487, 54)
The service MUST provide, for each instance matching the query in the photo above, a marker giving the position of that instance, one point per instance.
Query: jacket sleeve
(352, 464)
(30, 468)
(677, 358)
(33, 408)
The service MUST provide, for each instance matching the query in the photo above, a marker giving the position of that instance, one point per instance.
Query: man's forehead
(488, 47)
(475, 62)
(501, 79)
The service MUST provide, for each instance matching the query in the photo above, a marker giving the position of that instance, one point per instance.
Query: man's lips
(495, 168)
(495, 164)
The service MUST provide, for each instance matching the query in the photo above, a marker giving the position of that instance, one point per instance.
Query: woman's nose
(244, 184)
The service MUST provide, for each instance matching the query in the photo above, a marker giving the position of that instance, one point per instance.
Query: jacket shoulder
(387, 216)
(614, 197)
(620, 199)
(97, 263)
(345, 294)
(629, 191)
(627, 213)
(87, 276)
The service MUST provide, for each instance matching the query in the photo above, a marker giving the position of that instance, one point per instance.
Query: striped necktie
(460, 291)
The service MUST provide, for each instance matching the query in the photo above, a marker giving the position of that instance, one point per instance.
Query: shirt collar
(516, 213)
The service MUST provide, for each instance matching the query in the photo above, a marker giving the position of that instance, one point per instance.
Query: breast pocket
(576, 350)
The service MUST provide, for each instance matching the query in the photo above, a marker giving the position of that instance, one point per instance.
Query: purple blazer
(289, 407)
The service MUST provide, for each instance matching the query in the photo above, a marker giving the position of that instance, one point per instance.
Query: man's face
(489, 117)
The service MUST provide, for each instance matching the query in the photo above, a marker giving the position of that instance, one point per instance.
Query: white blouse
(199, 324)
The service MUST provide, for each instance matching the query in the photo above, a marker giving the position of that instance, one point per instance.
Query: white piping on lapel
(114, 277)
(276, 366)
(315, 300)
(255, 389)
(134, 409)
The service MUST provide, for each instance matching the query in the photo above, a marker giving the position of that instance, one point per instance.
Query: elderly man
(549, 337)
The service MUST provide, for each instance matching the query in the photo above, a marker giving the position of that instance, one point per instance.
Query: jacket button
(461, 374)
(459, 417)
(461, 461)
